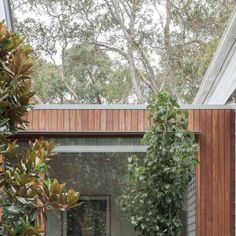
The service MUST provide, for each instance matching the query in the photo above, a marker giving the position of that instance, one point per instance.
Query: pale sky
(45, 19)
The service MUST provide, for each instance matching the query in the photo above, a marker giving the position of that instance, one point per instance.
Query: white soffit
(220, 79)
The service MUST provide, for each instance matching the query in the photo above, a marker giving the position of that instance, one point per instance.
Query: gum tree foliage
(95, 77)
(165, 44)
(26, 189)
(91, 73)
(157, 183)
(57, 40)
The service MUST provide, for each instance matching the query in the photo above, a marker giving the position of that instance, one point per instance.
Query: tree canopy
(158, 44)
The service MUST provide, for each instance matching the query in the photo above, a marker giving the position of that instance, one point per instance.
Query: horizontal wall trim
(83, 134)
(78, 134)
(124, 106)
(101, 148)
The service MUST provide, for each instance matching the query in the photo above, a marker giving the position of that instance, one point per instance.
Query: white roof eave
(219, 83)
(6, 14)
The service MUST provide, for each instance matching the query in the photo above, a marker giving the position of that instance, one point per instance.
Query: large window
(100, 177)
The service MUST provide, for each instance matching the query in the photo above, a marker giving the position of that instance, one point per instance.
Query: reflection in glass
(102, 178)
(88, 220)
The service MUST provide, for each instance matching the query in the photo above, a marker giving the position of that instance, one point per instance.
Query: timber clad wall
(213, 213)
(75, 120)
(215, 174)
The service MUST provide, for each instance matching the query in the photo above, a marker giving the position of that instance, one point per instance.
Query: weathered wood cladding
(215, 184)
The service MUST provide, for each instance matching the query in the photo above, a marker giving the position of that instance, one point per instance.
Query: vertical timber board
(91, 119)
(232, 165)
(35, 120)
(128, 120)
(115, 115)
(78, 120)
(103, 120)
(54, 120)
(48, 117)
(141, 121)
(215, 173)
(72, 119)
(190, 120)
(67, 120)
(85, 120)
(60, 120)
(97, 117)
(122, 120)
(109, 120)
(208, 176)
(49, 120)
(199, 119)
(134, 120)
(229, 172)
(42, 120)
(221, 163)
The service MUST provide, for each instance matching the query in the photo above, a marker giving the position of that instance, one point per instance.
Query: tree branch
(111, 48)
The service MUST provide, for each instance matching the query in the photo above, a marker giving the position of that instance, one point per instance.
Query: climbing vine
(158, 182)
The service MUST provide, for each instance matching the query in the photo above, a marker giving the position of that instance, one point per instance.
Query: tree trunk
(132, 70)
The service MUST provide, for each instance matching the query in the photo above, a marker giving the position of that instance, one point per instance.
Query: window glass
(100, 178)
(92, 218)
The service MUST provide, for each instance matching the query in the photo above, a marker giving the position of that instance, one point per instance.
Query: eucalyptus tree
(95, 77)
(51, 29)
(164, 44)
(167, 44)
(191, 32)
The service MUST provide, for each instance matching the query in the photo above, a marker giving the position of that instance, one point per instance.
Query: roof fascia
(7, 14)
(218, 64)
(125, 106)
